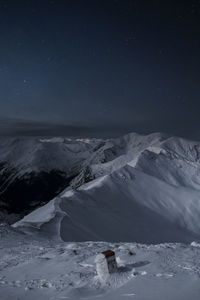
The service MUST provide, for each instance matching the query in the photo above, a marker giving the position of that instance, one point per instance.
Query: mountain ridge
(149, 192)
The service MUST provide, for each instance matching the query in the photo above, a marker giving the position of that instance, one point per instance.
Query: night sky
(108, 67)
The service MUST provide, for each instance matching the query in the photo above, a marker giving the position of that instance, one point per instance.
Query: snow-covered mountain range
(134, 188)
(34, 170)
(104, 193)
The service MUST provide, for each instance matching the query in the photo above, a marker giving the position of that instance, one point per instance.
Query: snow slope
(147, 190)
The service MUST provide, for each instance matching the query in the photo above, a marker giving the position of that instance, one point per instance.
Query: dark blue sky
(118, 65)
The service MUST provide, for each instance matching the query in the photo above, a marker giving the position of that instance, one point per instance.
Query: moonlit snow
(136, 195)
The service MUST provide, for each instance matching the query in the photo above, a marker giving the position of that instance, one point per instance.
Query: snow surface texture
(147, 190)
(36, 269)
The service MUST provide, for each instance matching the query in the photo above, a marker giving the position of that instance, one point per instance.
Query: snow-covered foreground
(39, 269)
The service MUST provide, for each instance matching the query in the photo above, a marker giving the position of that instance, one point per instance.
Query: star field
(117, 65)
